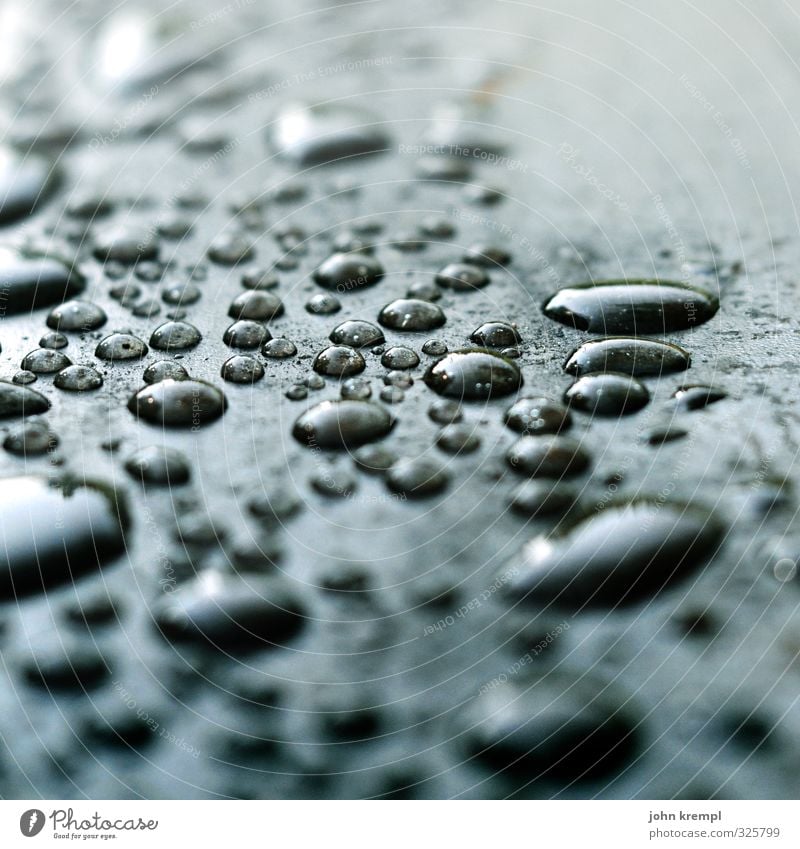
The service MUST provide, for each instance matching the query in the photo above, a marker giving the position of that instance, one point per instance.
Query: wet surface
(378, 422)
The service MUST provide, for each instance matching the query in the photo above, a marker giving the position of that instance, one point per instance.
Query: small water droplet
(462, 277)
(175, 336)
(348, 272)
(78, 379)
(339, 361)
(548, 457)
(121, 346)
(242, 368)
(178, 403)
(357, 334)
(343, 424)
(473, 375)
(159, 466)
(411, 315)
(607, 394)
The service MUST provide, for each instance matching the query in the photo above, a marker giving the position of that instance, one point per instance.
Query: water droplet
(462, 277)
(246, 335)
(496, 334)
(563, 730)
(76, 317)
(230, 249)
(411, 315)
(23, 378)
(541, 498)
(279, 349)
(417, 478)
(20, 401)
(333, 483)
(665, 433)
(175, 336)
(423, 290)
(399, 357)
(165, 370)
(256, 305)
(374, 459)
(126, 244)
(631, 307)
(323, 304)
(445, 412)
(31, 282)
(348, 272)
(548, 457)
(486, 255)
(54, 340)
(121, 346)
(325, 133)
(78, 379)
(339, 361)
(297, 393)
(259, 278)
(343, 424)
(178, 403)
(623, 554)
(158, 465)
(458, 439)
(437, 227)
(229, 613)
(393, 395)
(355, 390)
(181, 294)
(434, 348)
(626, 355)
(534, 416)
(242, 368)
(30, 439)
(25, 180)
(349, 242)
(607, 394)
(696, 397)
(52, 534)
(473, 375)
(357, 334)
(147, 308)
(45, 361)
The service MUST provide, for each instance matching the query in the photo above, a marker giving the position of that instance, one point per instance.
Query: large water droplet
(411, 315)
(632, 307)
(76, 317)
(607, 394)
(20, 401)
(343, 424)
(178, 403)
(625, 553)
(51, 534)
(348, 272)
(175, 336)
(30, 282)
(627, 355)
(357, 334)
(316, 135)
(548, 457)
(473, 375)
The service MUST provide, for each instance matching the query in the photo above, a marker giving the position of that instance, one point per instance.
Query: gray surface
(687, 119)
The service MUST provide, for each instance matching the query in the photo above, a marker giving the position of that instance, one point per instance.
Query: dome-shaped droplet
(607, 394)
(45, 361)
(246, 335)
(473, 375)
(126, 244)
(339, 361)
(175, 336)
(399, 357)
(537, 415)
(19, 400)
(323, 304)
(30, 439)
(627, 355)
(620, 555)
(496, 334)
(53, 340)
(31, 282)
(345, 273)
(632, 307)
(121, 346)
(458, 439)
(343, 424)
(78, 379)
(462, 277)
(357, 334)
(418, 477)
(51, 534)
(411, 315)
(164, 370)
(325, 133)
(25, 180)
(242, 368)
(279, 349)
(548, 457)
(76, 317)
(158, 465)
(229, 614)
(178, 403)
(697, 396)
(256, 305)
(230, 249)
